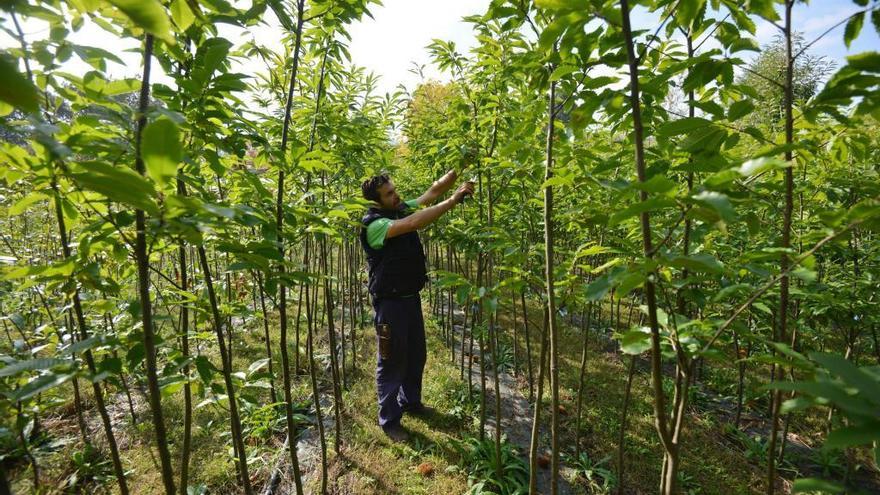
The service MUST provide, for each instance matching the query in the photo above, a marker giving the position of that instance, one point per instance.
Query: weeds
(597, 476)
(479, 458)
(89, 467)
(464, 405)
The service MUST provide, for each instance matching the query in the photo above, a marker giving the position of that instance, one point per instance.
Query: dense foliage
(731, 198)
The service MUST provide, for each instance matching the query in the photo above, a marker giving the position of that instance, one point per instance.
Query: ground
(716, 459)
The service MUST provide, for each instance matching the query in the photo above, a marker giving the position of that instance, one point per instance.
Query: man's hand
(424, 217)
(464, 190)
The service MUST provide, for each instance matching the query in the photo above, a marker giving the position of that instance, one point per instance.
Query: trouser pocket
(383, 330)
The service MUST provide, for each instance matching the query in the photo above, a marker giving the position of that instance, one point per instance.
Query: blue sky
(399, 31)
(396, 36)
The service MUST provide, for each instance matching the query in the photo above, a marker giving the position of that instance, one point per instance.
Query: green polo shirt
(378, 229)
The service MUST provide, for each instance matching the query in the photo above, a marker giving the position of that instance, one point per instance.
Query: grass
(431, 462)
(371, 464)
(709, 466)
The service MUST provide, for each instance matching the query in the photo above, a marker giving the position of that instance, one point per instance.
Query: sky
(395, 38)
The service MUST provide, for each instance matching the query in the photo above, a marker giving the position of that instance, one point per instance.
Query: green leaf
(764, 8)
(161, 150)
(866, 61)
(760, 165)
(701, 262)
(651, 204)
(111, 365)
(834, 392)
(257, 365)
(853, 28)
(850, 436)
(82, 345)
(687, 10)
(797, 404)
(15, 89)
(867, 385)
(716, 202)
(135, 355)
(205, 369)
(875, 19)
(657, 184)
(598, 288)
(210, 56)
(562, 4)
(682, 126)
(730, 290)
(563, 71)
(38, 364)
(739, 110)
(120, 86)
(462, 294)
(636, 341)
(21, 205)
(629, 282)
(815, 485)
(96, 57)
(117, 184)
(38, 385)
(148, 14)
(171, 385)
(741, 44)
(181, 14)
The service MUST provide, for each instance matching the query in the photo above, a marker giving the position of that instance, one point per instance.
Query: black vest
(398, 268)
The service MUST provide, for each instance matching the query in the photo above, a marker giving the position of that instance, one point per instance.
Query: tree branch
(832, 28)
(773, 281)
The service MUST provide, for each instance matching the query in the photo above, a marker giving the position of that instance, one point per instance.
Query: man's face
(388, 198)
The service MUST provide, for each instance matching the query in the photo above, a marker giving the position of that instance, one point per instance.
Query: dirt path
(516, 416)
(516, 423)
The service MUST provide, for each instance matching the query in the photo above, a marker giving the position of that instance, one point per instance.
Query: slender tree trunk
(282, 287)
(334, 365)
(515, 333)
(325, 269)
(143, 271)
(536, 420)
(621, 435)
(90, 361)
(667, 485)
(786, 241)
(266, 335)
(25, 446)
(78, 408)
(311, 308)
(227, 374)
(184, 335)
(740, 380)
(551, 297)
(580, 394)
(525, 312)
(463, 342)
(340, 277)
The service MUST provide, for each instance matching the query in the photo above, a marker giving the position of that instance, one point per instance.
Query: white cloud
(400, 30)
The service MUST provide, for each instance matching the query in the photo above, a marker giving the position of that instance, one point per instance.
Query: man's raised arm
(438, 188)
(422, 218)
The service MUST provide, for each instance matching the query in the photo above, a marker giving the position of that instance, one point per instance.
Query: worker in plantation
(397, 271)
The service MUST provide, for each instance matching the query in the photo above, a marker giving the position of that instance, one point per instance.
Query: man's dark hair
(370, 187)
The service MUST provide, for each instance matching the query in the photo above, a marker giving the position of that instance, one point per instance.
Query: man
(396, 262)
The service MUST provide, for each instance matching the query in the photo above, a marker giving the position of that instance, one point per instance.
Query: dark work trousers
(399, 379)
